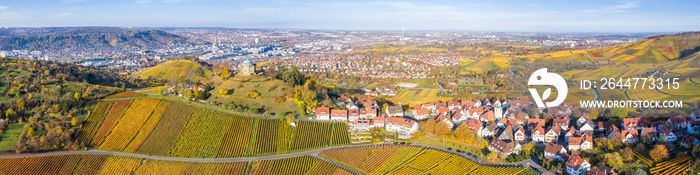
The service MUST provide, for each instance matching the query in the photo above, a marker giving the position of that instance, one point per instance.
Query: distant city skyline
(470, 15)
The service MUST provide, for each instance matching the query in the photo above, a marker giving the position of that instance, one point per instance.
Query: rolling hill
(95, 37)
(653, 50)
(166, 128)
(174, 69)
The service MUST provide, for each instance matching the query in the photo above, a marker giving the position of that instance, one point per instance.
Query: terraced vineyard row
(678, 165)
(298, 165)
(165, 128)
(106, 164)
(395, 159)
(642, 158)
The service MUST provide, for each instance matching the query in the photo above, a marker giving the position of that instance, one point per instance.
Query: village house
(581, 120)
(694, 127)
(587, 126)
(445, 119)
(488, 116)
(394, 111)
(537, 134)
(353, 114)
(421, 113)
(459, 117)
(651, 133)
(519, 134)
(688, 140)
(552, 135)
(665, 132)
(429, 106)
(399, 124)
(554, 151)
(504, 148)
(679, 122)
(580, 143)
(629, 136)
(603, 170)
(362, 125)
(506, 134)
(339, 115)
(323, 113)
(562, 122)
(576, 165)
(474, 125)
(490, 130)
(380, 121)
(443, 111)
(634, 123)
(535, 122)
(370, 112)
(603, 126)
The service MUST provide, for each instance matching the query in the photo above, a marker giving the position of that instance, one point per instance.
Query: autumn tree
(223, 91)
(462, 132)
(659, 153)
(493, 156)
(74, 122)
(627, 154)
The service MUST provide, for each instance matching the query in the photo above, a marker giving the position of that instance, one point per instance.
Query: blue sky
(472, 15)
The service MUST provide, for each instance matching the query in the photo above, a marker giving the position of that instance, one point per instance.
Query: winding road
(527, 163)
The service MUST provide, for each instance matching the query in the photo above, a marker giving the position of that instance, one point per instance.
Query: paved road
(313, 153)
(244, 159)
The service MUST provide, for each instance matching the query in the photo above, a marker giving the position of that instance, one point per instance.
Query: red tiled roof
(339, 113)
(323, 111)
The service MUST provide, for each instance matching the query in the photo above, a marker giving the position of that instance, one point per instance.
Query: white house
(401, 124)
(694, 127)
(537, 134)
(576, 165)
(554, 151)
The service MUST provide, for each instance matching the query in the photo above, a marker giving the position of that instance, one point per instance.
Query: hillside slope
(178, 68)
(656, 49)
(90, 38)
(166, 128)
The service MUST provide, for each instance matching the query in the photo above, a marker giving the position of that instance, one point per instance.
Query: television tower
(403, 33)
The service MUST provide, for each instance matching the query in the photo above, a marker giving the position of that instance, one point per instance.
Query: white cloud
(60, 15)
(3, 7)
(622, 8)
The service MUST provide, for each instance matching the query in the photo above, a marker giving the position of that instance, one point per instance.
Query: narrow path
(313, 153)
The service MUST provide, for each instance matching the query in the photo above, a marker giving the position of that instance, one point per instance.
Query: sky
(467, 15)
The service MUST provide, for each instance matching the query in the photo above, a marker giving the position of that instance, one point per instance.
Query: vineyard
(395, 159)
(643, 159)
(298, 165)
(165, 128)
(108, 164)
(678, 165)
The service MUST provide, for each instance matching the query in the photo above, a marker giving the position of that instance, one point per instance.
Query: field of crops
(106, 164)
(396, 159)
(165, 133)
(642, 158)
(678, 165)
(114, 113)
(129, 124)
(165, 128)
(298, 165)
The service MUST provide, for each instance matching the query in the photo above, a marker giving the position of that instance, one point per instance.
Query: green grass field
(416, 96)
(11, 136)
